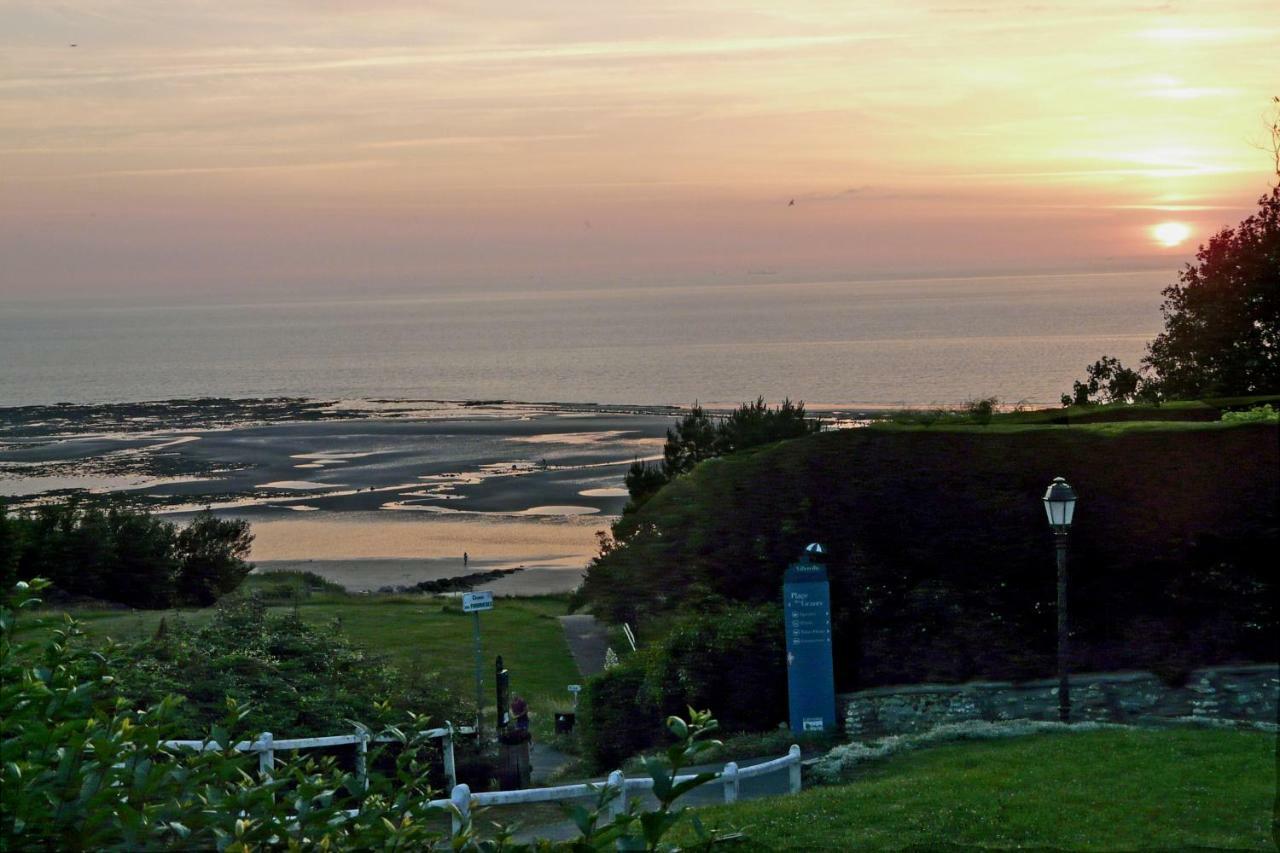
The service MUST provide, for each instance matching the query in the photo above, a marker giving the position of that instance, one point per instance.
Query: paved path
(588, 640)
(777, 783)
(544, 760)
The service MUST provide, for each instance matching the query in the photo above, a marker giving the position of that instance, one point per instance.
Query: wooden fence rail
(461, 801)
(266, 746)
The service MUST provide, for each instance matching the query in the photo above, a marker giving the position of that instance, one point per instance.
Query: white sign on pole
(474, 602)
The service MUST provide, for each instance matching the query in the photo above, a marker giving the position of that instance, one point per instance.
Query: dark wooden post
(1064, 687)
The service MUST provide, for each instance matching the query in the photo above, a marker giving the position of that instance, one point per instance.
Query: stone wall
(1231, 693)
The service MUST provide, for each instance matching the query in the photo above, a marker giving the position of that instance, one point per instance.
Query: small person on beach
(465, 559)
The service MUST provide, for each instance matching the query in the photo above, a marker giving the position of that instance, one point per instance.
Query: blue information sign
(806, 605)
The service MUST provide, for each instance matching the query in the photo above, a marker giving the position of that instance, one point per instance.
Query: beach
(373, 495)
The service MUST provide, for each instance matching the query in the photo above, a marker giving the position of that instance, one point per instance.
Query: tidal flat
(371, 494)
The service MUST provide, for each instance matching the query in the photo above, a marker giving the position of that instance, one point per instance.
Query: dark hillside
(941, 560)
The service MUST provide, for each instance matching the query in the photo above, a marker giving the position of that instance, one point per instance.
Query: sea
(871, 343)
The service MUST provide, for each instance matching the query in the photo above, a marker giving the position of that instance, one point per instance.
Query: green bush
(730, 660)
(616, 716)
(286, 587)
(1257, 414)
(300, 680)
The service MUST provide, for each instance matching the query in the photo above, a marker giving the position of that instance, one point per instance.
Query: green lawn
(418, 633)
(1112, 790)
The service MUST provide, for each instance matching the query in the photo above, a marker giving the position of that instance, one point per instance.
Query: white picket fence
(462, 801)
(266, 746)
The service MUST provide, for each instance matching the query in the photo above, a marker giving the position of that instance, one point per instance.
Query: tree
(1108, 381)
(696, 437)
(643, 481)
(691, 440)
(211, 553)
(143, 572)
(1222, 319)
(1221, 333)
(753, 424)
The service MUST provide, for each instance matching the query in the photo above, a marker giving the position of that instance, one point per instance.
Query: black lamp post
(1060, 506)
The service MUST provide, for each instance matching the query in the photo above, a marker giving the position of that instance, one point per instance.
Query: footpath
(588, 639)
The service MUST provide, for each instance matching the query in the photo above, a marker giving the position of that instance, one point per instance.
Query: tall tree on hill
(1221, 319)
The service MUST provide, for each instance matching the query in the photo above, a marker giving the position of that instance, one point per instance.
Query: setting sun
(1171, 233)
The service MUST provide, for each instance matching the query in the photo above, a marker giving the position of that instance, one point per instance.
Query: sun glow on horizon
(1171, 234)
(203, 145)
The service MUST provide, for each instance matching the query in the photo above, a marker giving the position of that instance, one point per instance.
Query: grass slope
(417, 633)
(1111, 790)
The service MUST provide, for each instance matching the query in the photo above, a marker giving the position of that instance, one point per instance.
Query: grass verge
(1108, 790)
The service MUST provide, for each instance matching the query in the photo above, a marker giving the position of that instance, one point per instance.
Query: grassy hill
(941, 561)
(1115, 790)
(415, 633)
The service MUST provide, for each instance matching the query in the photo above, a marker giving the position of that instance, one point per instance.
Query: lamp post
(1060, 506)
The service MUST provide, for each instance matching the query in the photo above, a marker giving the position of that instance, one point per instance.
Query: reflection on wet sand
(373, 550)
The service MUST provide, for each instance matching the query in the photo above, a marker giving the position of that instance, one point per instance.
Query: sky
(210, 145)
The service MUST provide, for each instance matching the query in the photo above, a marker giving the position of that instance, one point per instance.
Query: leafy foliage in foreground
(84, 770)
(81, 769)
(124, 555)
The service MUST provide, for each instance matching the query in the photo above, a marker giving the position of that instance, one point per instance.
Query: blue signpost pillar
(806, 606)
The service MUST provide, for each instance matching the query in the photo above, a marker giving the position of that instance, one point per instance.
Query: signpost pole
(473, 603)
(479, 678)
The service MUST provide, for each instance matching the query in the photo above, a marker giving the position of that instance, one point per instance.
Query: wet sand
(368, 551)
(369, 495)
(373, 575)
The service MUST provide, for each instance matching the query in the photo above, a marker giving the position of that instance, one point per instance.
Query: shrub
(1257, 414)
(299, 679)
(730, 660)
(286, 587)
(616, 717)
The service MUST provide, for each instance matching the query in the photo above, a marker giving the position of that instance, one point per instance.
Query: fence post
(362, 759)
(450, 768)
(794, 754)
(730, 777)
(461, 799)
(266, 755)
(618, 805)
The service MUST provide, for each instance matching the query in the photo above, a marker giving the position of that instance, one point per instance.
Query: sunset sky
(211, 144)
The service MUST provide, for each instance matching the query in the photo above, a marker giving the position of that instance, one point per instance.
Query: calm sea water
(874, 342)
